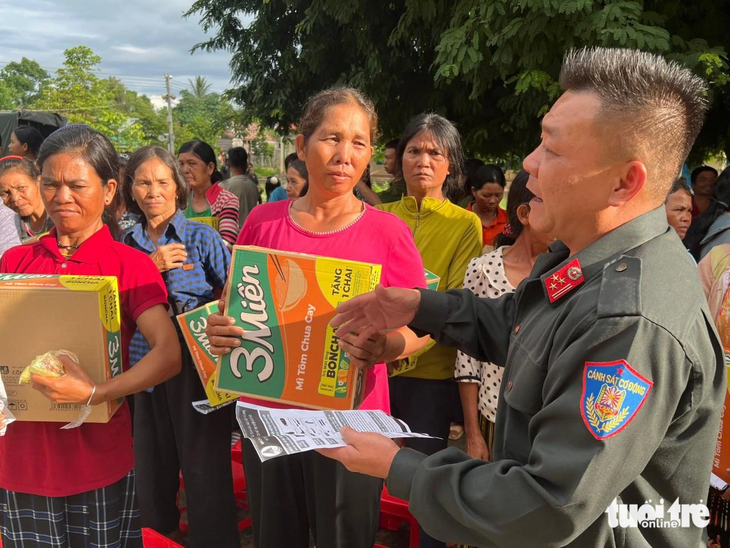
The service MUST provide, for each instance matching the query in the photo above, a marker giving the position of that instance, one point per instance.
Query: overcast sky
(138, 40)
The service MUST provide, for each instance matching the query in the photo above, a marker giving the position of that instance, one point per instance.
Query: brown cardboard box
(39, 313)
(289, 353)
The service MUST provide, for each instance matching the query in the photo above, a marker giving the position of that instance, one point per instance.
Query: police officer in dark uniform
(614, 377)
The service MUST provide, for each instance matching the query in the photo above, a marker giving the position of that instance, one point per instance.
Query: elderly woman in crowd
(169, 434)
(679, 207)
(68, 488)
(430, 160)
(208, 201)
(296, 179)
(20, 192)
(25, 142)
(301, 492)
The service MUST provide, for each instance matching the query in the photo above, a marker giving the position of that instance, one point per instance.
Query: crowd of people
(165, 225)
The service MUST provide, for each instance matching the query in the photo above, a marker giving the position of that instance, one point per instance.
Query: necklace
(62, 246)
(327, 232)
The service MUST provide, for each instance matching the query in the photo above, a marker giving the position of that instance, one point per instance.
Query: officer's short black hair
(659, 106)
(393, 143)
(238, 158)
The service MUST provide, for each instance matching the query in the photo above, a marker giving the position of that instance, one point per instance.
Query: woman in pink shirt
(295, 494)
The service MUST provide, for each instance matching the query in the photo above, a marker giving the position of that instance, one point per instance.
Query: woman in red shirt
(64, 488)
(488, 190)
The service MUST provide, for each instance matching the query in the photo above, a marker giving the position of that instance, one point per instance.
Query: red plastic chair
(153, 539)
(393, 512)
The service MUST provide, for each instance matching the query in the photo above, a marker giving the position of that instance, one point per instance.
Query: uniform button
(63, 265)
(509, 386)
(621, 267)
(517, 329)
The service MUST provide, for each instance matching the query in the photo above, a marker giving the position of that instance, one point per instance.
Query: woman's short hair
(206, 153)
(28, 135)
(140, 157)
(23, 165)
(680, 184)
(446, 136)
(318, 105)
(489, 173)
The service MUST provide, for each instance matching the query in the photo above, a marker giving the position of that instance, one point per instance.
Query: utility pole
(169, 97)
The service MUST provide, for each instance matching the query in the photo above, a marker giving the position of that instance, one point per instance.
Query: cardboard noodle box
(39, 313)
(432, 281)
(193, 326)
(289, 353)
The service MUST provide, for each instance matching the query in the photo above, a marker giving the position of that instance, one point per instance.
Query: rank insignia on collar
(613, 393)
(564, 280)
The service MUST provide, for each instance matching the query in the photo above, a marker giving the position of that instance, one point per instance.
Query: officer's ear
(630, 181)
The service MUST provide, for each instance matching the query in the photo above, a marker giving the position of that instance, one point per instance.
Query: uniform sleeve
(478, 327)
(571, 476)
(144, 286)
(403, 266)
(217, 261)
(469, 247)
(466, 368)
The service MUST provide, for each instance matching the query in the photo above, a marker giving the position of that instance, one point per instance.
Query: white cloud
(138, 40)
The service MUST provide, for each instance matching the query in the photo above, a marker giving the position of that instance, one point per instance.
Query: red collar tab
(563, 281)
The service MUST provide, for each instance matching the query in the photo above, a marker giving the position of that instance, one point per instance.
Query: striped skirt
(103, 518)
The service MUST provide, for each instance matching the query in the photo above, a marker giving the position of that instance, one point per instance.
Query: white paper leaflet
(278, 432)
(7, 415)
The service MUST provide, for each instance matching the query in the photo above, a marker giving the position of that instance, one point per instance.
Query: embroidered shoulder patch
(613, 392)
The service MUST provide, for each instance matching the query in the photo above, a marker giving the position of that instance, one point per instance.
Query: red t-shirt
(489, 233)
(38, 457)
(377, 237)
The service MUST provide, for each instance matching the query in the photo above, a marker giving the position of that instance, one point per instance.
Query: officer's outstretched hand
(380, 310)
(365, 453)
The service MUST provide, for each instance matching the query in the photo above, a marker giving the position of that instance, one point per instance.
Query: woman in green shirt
(429, 160)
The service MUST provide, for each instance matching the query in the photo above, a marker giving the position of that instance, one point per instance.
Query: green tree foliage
(21, 83)
(489, 65)
(203, 118)
(261, 147)
(80, 95)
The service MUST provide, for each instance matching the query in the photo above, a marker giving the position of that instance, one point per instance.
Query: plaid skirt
(103, 518)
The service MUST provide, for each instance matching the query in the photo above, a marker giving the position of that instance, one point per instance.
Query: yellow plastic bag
(47, 365)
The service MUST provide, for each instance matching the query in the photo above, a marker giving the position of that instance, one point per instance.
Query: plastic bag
(46, 365)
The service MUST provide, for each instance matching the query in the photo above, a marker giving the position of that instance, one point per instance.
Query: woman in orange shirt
(488, 190)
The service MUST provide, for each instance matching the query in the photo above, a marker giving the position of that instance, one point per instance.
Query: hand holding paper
(365, 453)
